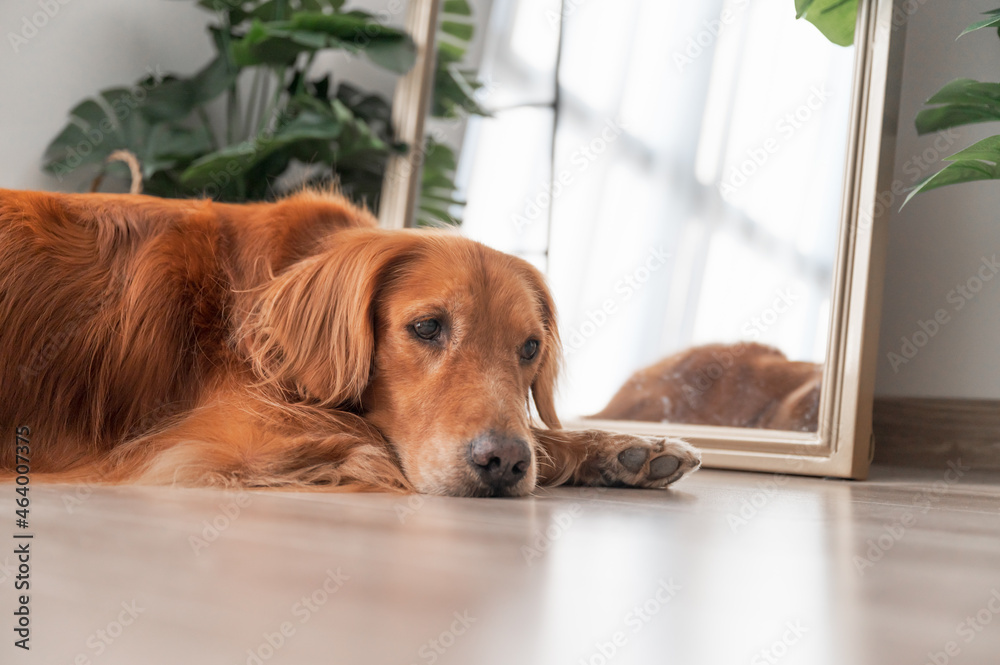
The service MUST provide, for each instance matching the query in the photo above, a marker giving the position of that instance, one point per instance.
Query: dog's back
(116, 310)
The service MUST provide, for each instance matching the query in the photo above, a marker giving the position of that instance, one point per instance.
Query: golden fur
(271, 345)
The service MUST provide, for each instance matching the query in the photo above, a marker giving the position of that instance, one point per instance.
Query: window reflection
(712, 133)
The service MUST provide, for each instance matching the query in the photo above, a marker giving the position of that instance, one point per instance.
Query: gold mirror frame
(842, 446)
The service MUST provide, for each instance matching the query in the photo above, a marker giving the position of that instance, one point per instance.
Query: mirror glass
(686, 212)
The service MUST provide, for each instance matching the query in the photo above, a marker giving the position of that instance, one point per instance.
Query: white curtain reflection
(712, 132)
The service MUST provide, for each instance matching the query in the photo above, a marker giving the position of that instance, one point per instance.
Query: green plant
(276, 115)
(834, 18)
(964, 102)
(454, 98)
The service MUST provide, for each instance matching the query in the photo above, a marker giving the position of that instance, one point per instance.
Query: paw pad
(663, 467)
(633, 458)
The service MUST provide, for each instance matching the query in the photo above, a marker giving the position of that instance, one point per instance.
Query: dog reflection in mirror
(731, 385)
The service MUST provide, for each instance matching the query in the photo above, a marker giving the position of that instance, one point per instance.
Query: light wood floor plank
(748, 567)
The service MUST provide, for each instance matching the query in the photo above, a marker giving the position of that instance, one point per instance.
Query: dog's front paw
(647, 461)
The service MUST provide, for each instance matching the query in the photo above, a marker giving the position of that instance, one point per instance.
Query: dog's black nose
(500, 460)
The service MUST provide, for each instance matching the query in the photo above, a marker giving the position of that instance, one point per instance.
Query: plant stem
(305, 72)
(232, 115)
(262, 103)
(208, 126)
(275, 105)
(251, 102)
(232, 97)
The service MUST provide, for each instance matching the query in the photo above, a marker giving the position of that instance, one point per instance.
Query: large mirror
(697, 180)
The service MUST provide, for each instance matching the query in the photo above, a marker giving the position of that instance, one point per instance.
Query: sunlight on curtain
(700, 157)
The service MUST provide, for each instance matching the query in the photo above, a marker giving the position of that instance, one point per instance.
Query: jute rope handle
(134, 168)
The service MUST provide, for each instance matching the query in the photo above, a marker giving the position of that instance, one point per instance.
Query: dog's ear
(311, 329)
(543, 389)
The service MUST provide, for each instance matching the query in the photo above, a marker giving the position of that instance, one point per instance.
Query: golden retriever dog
(287, 344)
(737, 385)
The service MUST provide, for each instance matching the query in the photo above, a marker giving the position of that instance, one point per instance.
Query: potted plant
(282, 125)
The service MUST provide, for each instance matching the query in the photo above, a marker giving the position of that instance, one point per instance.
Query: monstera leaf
(115, 121)
(238, 11)
(175, 98)
(311, 131)
(281, 42)
(992, 20)
(980, 161)
(834, 18)
(964, 102)
(961, 102)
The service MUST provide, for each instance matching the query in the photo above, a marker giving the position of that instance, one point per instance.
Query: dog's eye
(529, 350)
(427, 329)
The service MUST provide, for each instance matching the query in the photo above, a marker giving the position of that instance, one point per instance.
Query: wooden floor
(726, 568)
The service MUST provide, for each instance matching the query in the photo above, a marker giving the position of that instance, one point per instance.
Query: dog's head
(439, 340)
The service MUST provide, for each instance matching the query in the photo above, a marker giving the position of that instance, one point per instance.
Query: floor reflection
(749, 578)
(727, 568)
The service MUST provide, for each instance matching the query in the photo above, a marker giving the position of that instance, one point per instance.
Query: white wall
(87, 46)
(84, 47)
(937, 241)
